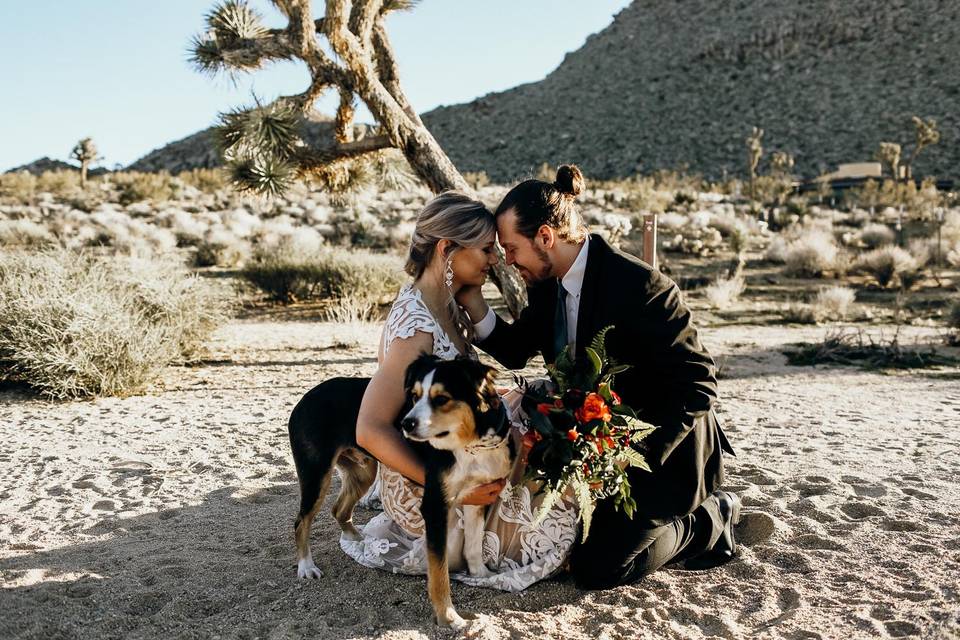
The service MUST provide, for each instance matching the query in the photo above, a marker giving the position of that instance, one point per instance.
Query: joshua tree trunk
(366, 68)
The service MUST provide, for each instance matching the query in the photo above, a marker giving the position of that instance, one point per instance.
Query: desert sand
(170, 514)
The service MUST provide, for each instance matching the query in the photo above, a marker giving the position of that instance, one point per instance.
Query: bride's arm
(380, 407)
(382, 403)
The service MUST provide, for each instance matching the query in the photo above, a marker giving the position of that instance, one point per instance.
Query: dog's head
(455, 403)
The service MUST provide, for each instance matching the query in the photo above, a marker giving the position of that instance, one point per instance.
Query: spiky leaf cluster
(230, 24)
(260, 146)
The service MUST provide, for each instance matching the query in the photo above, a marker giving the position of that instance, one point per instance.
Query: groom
(577, 285)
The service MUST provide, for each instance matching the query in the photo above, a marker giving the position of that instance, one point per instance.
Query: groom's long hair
(462, 220)
(539, 203)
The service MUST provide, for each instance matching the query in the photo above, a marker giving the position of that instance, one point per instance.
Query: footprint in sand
(813, 541)
(901, 628)
(902, 525)
(861, 510)
(920, 495)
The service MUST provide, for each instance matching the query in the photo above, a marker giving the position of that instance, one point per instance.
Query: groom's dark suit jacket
(672, 383)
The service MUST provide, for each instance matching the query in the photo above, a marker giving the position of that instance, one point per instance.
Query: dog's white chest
(476, 467)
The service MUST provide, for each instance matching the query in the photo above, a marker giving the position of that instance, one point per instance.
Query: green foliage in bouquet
(582, 436)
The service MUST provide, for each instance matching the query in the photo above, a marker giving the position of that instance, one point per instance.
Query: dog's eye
(439, 401)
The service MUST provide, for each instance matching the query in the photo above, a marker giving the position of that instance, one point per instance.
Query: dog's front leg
(473, 519)
(435, 512)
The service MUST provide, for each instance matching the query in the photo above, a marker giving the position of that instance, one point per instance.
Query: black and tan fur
(457, 425)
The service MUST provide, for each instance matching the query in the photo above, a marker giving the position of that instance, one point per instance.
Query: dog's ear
(418, 369)
(484, 378)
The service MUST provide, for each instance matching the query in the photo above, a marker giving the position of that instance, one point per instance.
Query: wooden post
(650, 239)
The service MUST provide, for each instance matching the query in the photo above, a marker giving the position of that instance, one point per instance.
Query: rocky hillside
(669, 84)
(674, 84)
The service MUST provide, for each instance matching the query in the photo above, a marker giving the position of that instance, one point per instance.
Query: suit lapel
(588, 294)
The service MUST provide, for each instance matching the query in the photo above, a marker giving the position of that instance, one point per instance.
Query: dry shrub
(799, 313)
(885, 264)
(834, 302)
(24, 233)
(133, 186)
(811, 255)
(220, 248)
(73, 325)
(724, 292)
(62, 183)
(19, 187)
(288, 273)
(876, 235)
(206, 180)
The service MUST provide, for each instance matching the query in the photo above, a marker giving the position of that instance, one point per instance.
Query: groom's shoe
(725, 549)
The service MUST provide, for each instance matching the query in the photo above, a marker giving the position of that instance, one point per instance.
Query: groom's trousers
(620, 550)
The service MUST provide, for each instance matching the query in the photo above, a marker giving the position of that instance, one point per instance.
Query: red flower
(572, 435)
(544, 408)
(594, 408)
(614, 397)
(558, 403)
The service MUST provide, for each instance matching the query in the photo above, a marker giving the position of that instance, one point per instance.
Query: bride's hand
(486, 493)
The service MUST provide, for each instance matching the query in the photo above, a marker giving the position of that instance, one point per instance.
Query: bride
(452, 247)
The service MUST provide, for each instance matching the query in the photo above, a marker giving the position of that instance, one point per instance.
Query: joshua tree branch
(387, 69)
(343, 130)
(311, 158)
(362, 18)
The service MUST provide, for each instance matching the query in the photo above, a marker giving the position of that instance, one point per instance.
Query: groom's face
(526, 254)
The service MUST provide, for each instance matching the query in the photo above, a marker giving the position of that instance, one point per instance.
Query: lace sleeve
(407, 316)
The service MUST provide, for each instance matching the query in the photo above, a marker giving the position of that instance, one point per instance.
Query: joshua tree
(781, 166)
(754, 153)
(926, 134)
(261, 144)
(85, 152)
(889, 154)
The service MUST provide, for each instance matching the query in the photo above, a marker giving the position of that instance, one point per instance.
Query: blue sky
(117, 70)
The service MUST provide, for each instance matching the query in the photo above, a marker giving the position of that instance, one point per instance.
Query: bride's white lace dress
(518, 552)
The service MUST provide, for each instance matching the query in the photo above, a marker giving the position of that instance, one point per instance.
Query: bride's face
(472, 264)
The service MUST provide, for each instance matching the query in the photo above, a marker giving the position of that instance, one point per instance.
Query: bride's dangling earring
(448, 275)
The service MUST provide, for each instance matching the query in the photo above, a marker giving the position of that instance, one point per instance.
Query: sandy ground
(170, 514)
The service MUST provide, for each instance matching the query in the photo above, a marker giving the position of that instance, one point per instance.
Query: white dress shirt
(572, 281)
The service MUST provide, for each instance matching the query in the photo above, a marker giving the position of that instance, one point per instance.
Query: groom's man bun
(569, 180)
(537, 203)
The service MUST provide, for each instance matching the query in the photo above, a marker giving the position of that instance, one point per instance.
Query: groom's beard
(540, 271)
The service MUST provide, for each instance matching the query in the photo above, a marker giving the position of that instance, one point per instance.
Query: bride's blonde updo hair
(463, 221)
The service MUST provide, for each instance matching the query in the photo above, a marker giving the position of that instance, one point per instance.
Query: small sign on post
(650, 239)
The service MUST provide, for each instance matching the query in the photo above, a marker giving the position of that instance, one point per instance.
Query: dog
(457, 424)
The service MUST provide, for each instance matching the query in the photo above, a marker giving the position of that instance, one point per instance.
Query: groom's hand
(471, 299)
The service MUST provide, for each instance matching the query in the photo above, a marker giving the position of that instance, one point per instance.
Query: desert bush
(74, 325)
(220, 248)
(477, 179)
(834, 302)
(24, 233)
(288, 273)
(874, 236)
(133, 186)
(776, 250)
(724, 292)
(20, 187)
(206, 180)
(885, 264)
(125, 235)
(60, 183)
(811, 255)
(799, 313)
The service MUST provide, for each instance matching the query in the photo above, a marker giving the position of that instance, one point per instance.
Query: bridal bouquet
(580, 434)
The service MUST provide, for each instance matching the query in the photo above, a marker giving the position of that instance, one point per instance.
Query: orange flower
(572, 435)
(594, 408)
(544, 408)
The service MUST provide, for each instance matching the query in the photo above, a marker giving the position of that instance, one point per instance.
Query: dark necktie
(560, 321)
